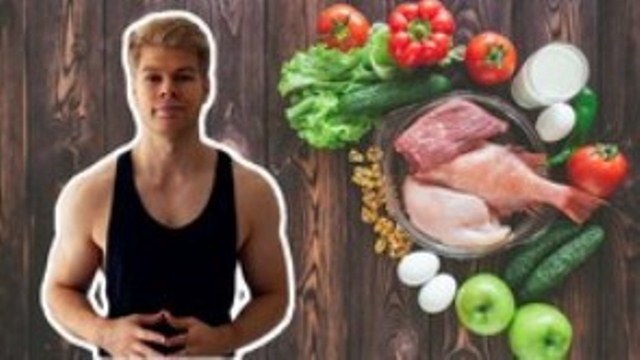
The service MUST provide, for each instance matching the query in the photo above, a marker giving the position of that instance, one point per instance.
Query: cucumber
(381, 98)
(552, 270)
(541, 245)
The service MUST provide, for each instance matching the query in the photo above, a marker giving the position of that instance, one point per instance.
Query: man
(166, 219)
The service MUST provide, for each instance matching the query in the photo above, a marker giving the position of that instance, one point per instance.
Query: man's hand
(199, 338)
(128, 336)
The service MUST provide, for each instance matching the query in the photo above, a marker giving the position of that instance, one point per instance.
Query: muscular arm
(73, 261)
(264, 268)
(265, 271)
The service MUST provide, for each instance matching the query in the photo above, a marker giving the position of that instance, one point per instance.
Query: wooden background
(62, 106)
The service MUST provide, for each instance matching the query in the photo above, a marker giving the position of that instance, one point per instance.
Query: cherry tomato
(490, 58)
(598, 169)
(343, 27)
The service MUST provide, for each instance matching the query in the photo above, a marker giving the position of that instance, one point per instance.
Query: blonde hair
(174, 32)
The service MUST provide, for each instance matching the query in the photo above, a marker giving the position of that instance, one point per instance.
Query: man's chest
(173, 207)
(176, 205)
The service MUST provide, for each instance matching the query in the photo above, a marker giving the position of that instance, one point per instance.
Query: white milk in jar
(554, 73)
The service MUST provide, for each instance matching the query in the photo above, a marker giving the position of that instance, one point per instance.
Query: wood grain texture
(619, 73)
(63, 105)
(316, 183)
(237, 117)
(14, 241)
(64, 88)
(283, 152)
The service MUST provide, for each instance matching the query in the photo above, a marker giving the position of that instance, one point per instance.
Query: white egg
(555, 122)
(418, 267)
(436, 295)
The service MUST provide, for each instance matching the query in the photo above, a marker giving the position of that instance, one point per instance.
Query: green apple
(485, 304)
(540, 332)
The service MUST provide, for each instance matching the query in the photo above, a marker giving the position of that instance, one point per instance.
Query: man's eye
(153, 78)
(184, 77)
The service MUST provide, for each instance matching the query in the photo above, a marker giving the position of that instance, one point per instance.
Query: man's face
(169, 90)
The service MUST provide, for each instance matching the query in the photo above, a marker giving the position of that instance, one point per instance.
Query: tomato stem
(340, 29)
(607, 151)
(496, 56)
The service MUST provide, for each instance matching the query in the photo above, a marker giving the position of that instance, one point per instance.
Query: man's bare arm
(264, 268)
(73, 261)
(71, 266)
(263, 262)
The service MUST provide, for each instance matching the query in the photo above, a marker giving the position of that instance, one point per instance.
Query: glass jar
(554, 73)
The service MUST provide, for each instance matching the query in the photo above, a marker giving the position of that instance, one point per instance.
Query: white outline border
(99, 279)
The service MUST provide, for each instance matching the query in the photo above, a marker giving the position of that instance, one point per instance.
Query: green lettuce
(314, 80)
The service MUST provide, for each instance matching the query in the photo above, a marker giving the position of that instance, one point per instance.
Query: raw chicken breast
(448, 130)
(452, 217)
(508, 184)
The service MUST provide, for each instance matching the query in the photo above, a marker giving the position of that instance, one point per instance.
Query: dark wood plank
(315, 185)
(59, 115)
(283, 148)
(618, 75)
(238, 115)
(14, 232)
(65, 105)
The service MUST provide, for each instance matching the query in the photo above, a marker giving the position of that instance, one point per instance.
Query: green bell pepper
(585, 105)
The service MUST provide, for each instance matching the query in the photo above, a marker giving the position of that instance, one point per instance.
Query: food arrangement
(434, 147)
(459, 173)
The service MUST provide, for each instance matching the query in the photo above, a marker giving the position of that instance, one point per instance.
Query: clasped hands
(130, 336)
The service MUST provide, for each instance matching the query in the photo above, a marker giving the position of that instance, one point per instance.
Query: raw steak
(448, 130)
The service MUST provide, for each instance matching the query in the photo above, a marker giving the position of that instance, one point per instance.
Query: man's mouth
(168, 110)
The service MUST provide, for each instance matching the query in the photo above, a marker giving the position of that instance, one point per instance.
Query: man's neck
(161, 157)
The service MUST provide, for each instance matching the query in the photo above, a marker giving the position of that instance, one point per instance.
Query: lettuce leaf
(318, 122)
(314, 81)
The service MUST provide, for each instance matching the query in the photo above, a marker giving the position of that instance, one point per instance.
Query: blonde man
(167, 218)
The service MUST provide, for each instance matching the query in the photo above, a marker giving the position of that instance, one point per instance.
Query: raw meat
(448, 130)
(508, 184)
(452, 217)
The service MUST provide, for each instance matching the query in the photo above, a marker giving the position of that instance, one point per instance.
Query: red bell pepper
(420, 33)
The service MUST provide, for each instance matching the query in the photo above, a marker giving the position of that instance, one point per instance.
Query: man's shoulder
(253, 178)
(92, 186)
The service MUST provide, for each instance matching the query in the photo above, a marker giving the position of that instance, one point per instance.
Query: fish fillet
(508, 184)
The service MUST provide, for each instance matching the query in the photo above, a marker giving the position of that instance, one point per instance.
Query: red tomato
(490, 58)
(598, 169)
(342, 26)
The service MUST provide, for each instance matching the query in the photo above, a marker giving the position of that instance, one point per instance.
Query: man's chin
(170, 128)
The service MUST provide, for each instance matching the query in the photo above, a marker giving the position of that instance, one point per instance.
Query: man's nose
(168, 89)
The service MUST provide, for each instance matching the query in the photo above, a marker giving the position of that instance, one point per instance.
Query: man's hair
(173, 32)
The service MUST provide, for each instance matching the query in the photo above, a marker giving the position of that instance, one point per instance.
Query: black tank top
(189, 271)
